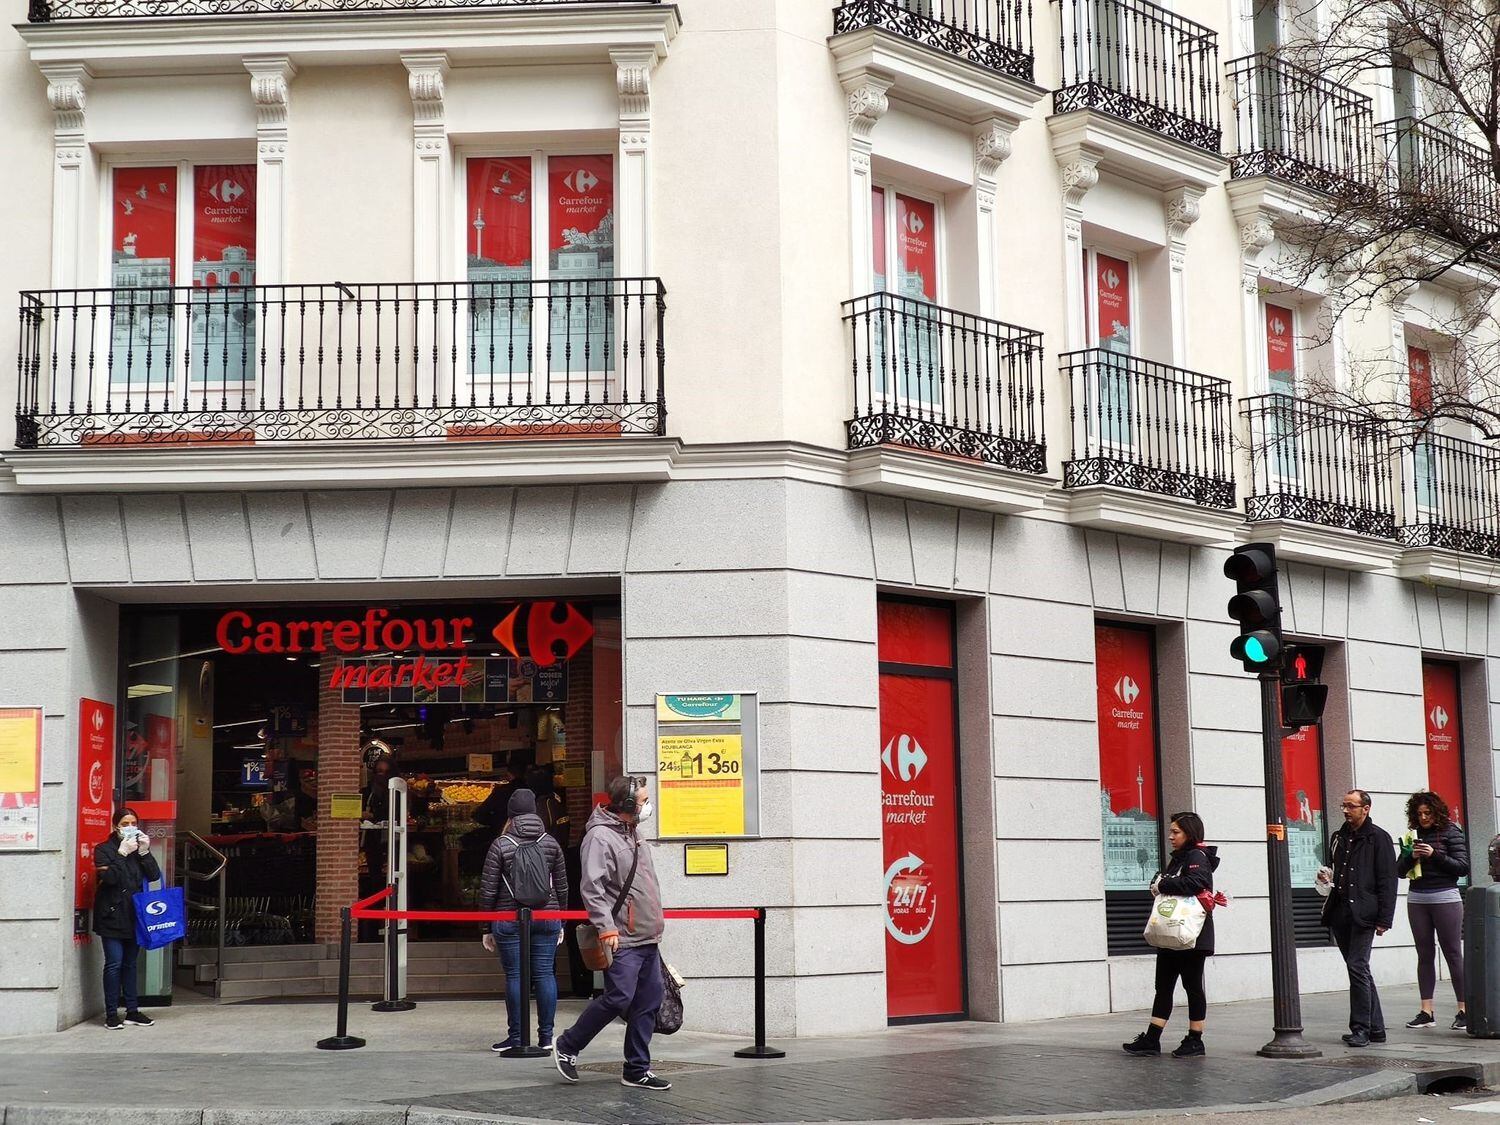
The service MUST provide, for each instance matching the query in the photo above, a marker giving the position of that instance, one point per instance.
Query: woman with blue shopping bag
(125, 865)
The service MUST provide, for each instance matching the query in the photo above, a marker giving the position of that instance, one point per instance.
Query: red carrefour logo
(544, 632)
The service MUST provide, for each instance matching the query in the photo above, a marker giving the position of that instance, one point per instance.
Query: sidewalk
(254, 1064)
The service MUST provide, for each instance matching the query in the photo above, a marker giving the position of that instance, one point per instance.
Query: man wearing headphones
(623, 899)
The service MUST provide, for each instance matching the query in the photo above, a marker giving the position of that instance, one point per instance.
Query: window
(1109, 292)
(1281, 379)
(904, 262)
(544, 251)
(1424, 456)
(1306, 829)
(207, 246)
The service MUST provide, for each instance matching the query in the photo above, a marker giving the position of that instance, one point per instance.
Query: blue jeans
(632, 991)
(119, 972)
(543, 976)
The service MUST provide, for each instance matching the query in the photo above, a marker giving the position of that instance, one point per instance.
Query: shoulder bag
(596, 955)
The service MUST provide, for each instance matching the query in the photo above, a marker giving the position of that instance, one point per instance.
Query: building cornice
(1131, 152)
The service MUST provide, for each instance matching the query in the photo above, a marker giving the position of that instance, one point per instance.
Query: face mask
(128, 831)
(647, 809)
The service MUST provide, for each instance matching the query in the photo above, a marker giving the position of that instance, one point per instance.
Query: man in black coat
(1361, 906)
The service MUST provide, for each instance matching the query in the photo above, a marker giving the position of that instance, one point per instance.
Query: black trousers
(1187, 965)
(1355, 943)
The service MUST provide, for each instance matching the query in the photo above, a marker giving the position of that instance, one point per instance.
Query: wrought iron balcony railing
(1143, 64)
(1148, 427)
(948, 382)
(287, 363)
(1318, 464)
(45, 11)
(994, 34)
(1450, 495)
(1444, 184)
(1298, 126)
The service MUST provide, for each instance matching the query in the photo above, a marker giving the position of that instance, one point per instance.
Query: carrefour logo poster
(1129, 784)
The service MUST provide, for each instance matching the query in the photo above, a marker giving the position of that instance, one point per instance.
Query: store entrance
(268, 735)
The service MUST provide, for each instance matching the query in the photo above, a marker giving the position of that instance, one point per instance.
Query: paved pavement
(254, 1064)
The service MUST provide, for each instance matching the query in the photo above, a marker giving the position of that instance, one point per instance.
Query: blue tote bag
(160, 917)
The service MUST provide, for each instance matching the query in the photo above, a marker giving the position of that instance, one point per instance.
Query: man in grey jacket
(623, 898)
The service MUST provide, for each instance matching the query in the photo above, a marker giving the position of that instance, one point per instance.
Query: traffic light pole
(1287, 1003)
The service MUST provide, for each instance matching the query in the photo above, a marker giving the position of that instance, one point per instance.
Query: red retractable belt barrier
(366, 908)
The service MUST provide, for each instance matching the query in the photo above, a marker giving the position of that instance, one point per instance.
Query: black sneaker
(1142, 1044)
(1377, 1036)
(113, 1022)
(647, 1081)
(139, 1019)
(1357, 1039)
(1191, 1047)
(567, 1065)
(504, 1045)
(1460, 1022)
(1422, 1019)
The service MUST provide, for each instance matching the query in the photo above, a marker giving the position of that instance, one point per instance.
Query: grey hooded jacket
(609, 845)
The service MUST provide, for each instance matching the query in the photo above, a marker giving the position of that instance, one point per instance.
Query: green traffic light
(1255, 652)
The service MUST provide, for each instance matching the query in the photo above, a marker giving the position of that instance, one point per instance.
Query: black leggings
(1445, 922)
(1187, 964)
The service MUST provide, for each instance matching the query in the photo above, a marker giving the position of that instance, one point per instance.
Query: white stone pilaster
(431, 165)
(270, 90)
(1080, 173)
(1256, 233)
(72, 170)
(867, 105)
(992, 147)
(1181, 210)
(633, 174)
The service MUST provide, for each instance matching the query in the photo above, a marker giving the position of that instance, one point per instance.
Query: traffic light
(1257, 607)
(1302, 697)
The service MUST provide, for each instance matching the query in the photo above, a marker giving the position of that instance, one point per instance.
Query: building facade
(438, 315)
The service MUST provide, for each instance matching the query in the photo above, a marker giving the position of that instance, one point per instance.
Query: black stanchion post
(343, 1041)
(394, 1000)
(525, 1050)
(758, 1049)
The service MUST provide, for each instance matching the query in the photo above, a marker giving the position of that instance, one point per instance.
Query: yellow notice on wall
(344, 806)
(20, 750)
(701, 783)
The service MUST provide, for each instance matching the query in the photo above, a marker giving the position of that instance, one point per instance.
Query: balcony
(1450, 496)
(283, 366)
(1298, 127)
(993, 34)
(48, 11)
(1317, 471)
(1141, 64)
(1443, 183)
(963, 392)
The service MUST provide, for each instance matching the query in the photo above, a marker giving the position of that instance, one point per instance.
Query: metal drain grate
(658, 1066)
(1384, 1062)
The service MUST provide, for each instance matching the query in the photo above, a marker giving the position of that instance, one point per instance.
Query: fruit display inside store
(464, 792)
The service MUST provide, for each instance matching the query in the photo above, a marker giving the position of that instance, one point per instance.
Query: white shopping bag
(1175, 922)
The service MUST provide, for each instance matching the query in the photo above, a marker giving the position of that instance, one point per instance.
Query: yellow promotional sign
(344, 806)
(701, 782)
(705, 859)
(20, 750)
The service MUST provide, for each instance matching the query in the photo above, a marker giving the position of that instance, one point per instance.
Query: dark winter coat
(1448, 863)
(1191, 870)
(1364, 878)
(120, 877)
(494, 888)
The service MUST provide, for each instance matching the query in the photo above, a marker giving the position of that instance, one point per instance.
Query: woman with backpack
(525, 867)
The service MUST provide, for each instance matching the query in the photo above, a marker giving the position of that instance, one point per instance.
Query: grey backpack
(529, 881)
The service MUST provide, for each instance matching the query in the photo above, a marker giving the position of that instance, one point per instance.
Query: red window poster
(96, 791)
(916, 248)
(499, 218)
(223, 225)
(1306, 822)
(1129, 780)
(580, 215)
(1112, 303)
(1445, 747)
(144, 242)
(878, 249)
(1281, 354)
(919, 797)
(1419, 377)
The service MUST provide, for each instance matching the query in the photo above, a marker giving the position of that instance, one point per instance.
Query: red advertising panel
(1281, 355)
(581, 204)
(1302, 765)
(223, 225)
(916, 248)
(1419, 377)
(877, 236)
(499, 218)
(1445, 746)
(1128, 775)
(1112, 303)
(144, 241)
(924, 954)
(96, 790)
(914, 633)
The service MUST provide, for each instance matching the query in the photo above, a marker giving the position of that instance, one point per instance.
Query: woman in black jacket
(125, 865)
(1434, 905)
(1190, 870)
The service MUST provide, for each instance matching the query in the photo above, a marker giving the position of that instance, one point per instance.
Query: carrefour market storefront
(266, 735)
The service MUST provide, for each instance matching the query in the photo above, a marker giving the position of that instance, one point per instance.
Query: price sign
(706, 758)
